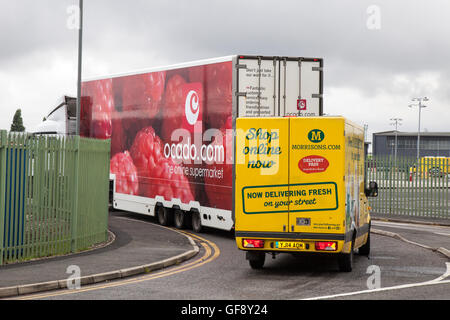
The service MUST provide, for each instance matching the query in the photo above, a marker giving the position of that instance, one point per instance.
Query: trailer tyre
(196, 222)
(179, 219)
(164, 216)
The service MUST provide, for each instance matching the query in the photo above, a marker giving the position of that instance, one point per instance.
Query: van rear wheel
(256, 259)
(256, 264)
(365, 249)
(345, 261)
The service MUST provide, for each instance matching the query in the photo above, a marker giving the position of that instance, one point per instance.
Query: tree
(17, 124)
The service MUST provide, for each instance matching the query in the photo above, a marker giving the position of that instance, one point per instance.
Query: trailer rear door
(279, 86)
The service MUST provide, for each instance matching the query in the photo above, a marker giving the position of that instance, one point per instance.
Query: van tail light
(326, 246)
(252, 243)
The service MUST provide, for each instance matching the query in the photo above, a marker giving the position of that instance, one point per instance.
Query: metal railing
(53, 195)
(407, 187)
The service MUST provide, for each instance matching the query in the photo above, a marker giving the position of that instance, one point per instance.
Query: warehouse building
(435, 144)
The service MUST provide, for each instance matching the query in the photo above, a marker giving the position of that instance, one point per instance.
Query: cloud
(35, 87)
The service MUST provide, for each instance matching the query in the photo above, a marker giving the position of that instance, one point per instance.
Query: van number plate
(289, 245)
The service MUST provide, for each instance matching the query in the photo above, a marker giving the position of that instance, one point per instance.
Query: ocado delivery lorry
(171, 129)
(300, 188)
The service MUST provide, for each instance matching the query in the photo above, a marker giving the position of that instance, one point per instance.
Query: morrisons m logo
(316, 135)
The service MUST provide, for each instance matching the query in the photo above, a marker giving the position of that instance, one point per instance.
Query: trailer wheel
(196, 222)
(435, 172)
(345, 260)
(188, 219)
(164, 216)
(179, 219)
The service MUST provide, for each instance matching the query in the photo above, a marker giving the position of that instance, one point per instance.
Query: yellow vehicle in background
(300, 188)
(432, 167)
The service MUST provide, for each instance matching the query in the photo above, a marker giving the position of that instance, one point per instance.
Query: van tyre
(164, 216)
(256, 259)
(179, 219)
(365, 249)
(345, 261)
(196, 222)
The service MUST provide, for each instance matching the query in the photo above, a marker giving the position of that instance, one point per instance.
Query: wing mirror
(372, 191)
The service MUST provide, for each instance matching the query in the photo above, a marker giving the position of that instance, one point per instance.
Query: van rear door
(316, 175)
(262, 174)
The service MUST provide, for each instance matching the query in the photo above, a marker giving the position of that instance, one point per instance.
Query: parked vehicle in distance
(432, 167)
(61, 120)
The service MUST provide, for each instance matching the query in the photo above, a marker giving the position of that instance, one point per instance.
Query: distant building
(431, 143)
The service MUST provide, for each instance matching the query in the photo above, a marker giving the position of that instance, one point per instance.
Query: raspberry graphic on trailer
(219, 190)
(138, 98)
(158, 176)
(172, 111)
(118, 138)
(126, 173)
(142, 94)
(97, 105)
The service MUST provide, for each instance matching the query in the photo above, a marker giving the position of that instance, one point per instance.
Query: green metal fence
(53, 195)
(408, 187)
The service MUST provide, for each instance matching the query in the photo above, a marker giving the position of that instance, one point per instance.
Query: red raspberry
(173, 111)
(219, 190)
(97, 106)
(142, 94)
(140, 98)
(158, 176)
(118, 138)
(126, 174)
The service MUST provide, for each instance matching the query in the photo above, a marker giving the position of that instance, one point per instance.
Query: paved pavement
(138, 247)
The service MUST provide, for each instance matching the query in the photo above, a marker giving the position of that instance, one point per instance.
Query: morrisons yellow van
(430, 166)
(300, 187)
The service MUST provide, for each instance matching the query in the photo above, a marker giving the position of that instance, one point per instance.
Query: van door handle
(284, 228)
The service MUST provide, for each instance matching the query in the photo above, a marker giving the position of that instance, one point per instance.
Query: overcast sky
(377, 54)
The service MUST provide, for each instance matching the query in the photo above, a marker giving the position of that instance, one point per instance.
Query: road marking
(208, 256)
(438, 280)
(443, 234)
(409, 226)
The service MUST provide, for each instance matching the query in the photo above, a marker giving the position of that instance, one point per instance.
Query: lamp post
(420, 105)
(80, 46)
(396, 122)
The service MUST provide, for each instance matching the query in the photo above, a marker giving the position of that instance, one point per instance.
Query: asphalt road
(430, 235)
(220, 271)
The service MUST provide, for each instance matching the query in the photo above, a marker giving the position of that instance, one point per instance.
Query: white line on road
(409, 226)
(443, 234)
(439, 280)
